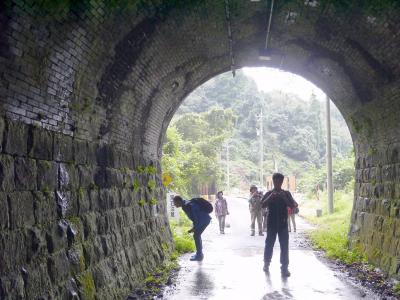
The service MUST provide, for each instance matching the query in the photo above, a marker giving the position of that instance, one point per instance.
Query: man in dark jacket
(200, 220)
(277, 201)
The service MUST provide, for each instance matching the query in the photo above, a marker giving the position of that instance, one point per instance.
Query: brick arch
(90, 93)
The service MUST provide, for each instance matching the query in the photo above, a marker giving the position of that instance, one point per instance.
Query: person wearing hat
(255, 210)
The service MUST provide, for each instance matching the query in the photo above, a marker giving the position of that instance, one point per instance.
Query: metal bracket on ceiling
(230, 38)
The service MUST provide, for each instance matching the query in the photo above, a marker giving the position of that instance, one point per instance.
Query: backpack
(203, 204)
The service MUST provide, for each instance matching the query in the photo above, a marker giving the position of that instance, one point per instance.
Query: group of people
(260, 213)
(271, 210)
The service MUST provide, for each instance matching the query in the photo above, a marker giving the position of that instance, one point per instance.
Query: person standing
(277, 201)
(200, 218)
(255, 210)
(221, 211)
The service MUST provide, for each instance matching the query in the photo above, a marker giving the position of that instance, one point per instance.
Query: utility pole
(261, 149)
(227, 167)
(329, 156)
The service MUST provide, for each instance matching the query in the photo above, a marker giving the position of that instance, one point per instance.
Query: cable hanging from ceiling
(230, 38)
(265, 53)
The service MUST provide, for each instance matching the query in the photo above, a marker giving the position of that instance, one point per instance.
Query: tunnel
(88, 89)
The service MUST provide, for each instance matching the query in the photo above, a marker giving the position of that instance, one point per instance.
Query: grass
(184, 242)
(331, 233)
(396, 289)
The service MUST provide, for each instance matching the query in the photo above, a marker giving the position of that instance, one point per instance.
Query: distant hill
(294, 129)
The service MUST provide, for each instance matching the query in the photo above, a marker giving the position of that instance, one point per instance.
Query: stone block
(36, 245)
(2, 129)
(47, 175)
(393, 153)
(70, 290)
(126, 160)
(25, 174)
(94, 199)
(90, 255)
(63, 148)
(67, 203)
(12, 284)
(21, 209)
(126, 197)
(41, 144)
(45, 207)
(388, 172)
(83, 201)
(106, 156)
(16, 138)
(68, 178)
(56, 236)
(38, 284)
(4, 222)
(6, 173)
(109, 199)
(89, 226)
(114, 178)
(100, 177)
(80, 151)
(91, 154)
(86, 176)
(76, 259)
(58, 267)
(12, 243)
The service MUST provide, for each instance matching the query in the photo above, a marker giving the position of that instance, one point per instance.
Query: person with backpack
(197, 210)
(221, 210)
(277, 201)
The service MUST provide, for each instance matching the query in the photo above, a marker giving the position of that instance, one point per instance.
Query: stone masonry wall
(76, 218)
(375, 224)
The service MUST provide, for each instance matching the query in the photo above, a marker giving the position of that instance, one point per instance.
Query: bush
(183, 240)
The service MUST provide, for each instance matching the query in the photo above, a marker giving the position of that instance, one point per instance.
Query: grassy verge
(183, 241)
(332, 229)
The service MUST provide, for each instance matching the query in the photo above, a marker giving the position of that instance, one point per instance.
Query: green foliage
(331, 233)
(46, 191)
(343, 176)
(136, 185)
(151, 170)
(151, 184)
(141, 169)
(190, 152)
(294, 137)
(142, 202)
(183, 241)
(396, 289)
(153, 201)
(86, 285)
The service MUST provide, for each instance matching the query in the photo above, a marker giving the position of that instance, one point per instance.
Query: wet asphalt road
(232, 267)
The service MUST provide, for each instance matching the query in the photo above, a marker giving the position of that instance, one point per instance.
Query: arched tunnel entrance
(88, 89)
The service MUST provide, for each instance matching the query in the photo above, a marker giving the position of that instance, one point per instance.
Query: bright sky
(269, 79)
